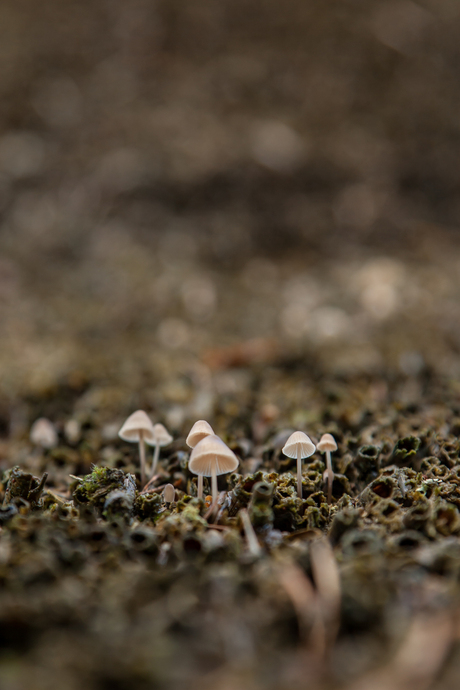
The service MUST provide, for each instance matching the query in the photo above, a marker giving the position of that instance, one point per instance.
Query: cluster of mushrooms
(211, 457)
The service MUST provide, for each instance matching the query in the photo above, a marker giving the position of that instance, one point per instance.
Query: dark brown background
(177, 177)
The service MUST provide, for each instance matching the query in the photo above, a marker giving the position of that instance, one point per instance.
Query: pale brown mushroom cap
(43, 433)
(161, 437)
(327, 443)
(198, 432)
(135, 423)
(169, 493)
(299, 440)
(211, 450)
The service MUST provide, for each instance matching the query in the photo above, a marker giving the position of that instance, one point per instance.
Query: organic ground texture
(246, 212)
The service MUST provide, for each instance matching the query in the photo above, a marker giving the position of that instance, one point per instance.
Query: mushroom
(212, 457)
(198, 432)
(43, 433)
(161, 438)
(299, 446)
(138, 428)
(328, 445)
(169, 494)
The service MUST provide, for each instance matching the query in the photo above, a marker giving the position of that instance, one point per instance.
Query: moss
(95, 487)
(367, 463)
(23, 488)
(405, 450)
(260, 506)
(147, 506)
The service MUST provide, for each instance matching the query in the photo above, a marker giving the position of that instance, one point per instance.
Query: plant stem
(299, 473)
(155, 458)
(200, 486)
(330, 476)
(214, 483)
(142, 457)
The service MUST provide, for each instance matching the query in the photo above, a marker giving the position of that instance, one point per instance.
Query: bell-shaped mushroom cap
(169, 493)
(299, 440)
(43, 433)
(327, 443)
(211, 450)
(160, 437)
(198, 432)
(135, 423)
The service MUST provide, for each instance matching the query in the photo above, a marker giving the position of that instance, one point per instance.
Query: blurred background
(188, 187)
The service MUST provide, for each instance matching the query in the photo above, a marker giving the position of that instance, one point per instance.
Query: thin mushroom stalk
(328, 445)
(160, 438)
(156, 455)
(299, 446)
(299, 473)
(214, 483)
(138, 429)
(330, 476)
(200, 486)
(211, 457)
(142, 456)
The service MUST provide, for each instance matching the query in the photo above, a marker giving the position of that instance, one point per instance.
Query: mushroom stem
(156, 455)
(299, 473)
(330, 476)
(214, 483)
(200, 486)
(142, 456)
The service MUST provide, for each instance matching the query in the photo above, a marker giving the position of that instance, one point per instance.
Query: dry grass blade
(251, 538)
(418, 659)
(305, 602)
(327, 580)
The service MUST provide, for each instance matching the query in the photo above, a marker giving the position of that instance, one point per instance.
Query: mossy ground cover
(104, 584)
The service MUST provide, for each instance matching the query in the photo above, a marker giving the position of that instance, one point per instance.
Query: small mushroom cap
(169, 493)
(327, 443)
(161, 437)
(43, 433)
(198, 432)
(135, 423)
(299, 440)
(211, 450)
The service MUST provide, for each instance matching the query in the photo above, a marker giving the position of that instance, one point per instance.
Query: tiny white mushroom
(169, 494)
(72, 430)
(198, 432)
(137, 429)
(328, 445)
(161, 437)
(299, 446)
(43, 433)
(212, 457)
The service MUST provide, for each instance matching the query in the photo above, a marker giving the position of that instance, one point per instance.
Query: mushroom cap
(43, 433)
(211, 450)
(161, 437)
(299, 440)
(135, 423)
(327, 443)
(198, 432)
(169, 493)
